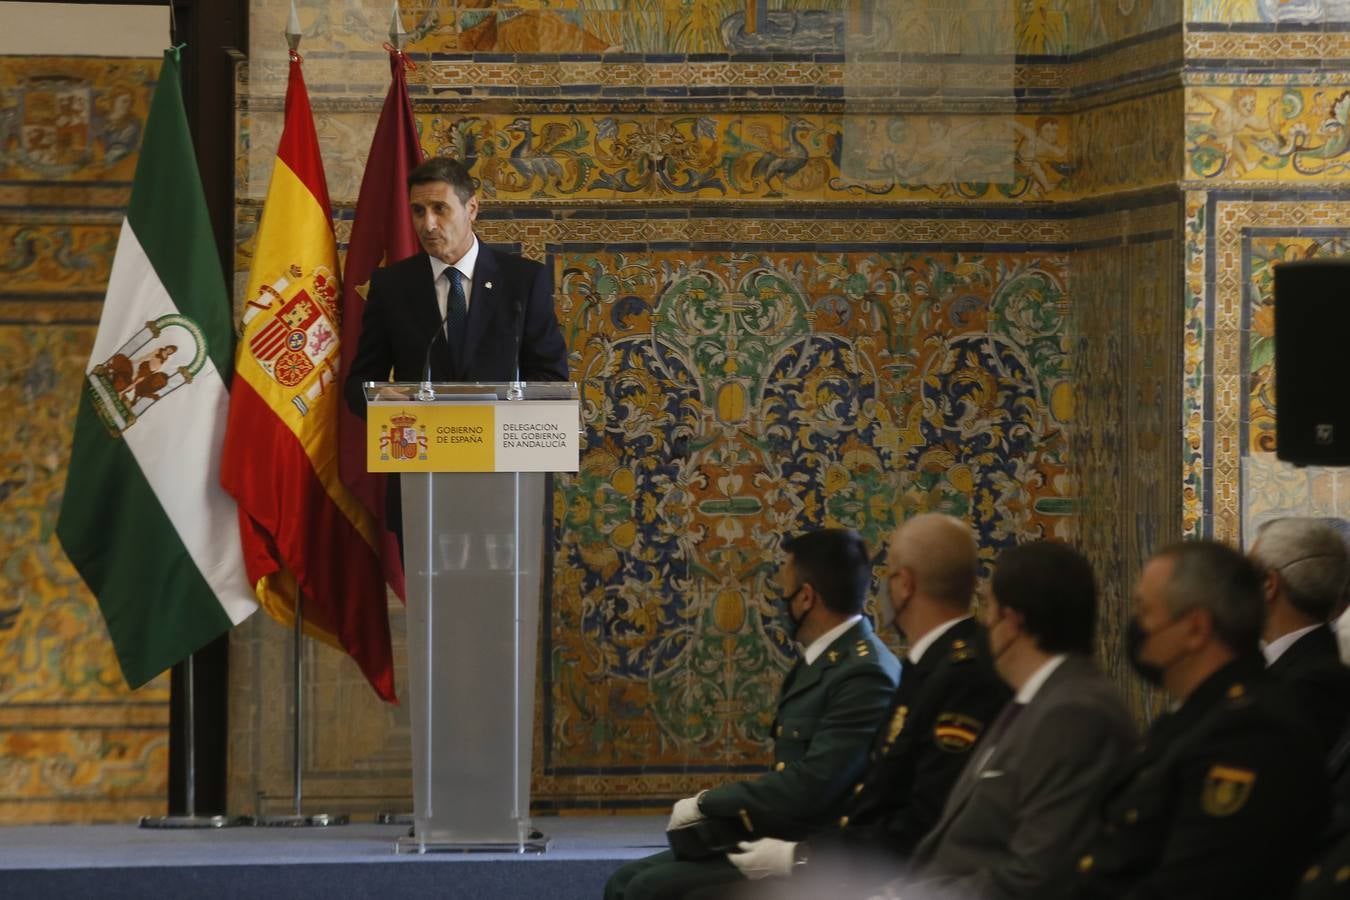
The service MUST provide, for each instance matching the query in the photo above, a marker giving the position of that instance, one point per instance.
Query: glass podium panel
(473, 559)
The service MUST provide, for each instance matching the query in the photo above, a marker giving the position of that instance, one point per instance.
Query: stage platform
(123, 861)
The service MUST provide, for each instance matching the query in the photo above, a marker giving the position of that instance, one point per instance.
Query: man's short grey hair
(1213, 576)
(1310, 557)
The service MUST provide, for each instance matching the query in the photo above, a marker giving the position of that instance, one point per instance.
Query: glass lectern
(472, 460)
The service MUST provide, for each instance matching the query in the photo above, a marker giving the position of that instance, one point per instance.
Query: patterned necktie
(457, 310)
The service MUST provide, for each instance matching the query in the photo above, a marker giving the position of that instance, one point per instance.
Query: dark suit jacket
(1015, 820)
(827, 713)
(943, 706)
(401, 321)
(1312, 671)
(1224, 799)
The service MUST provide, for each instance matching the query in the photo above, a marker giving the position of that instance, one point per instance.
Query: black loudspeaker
(1312, 379)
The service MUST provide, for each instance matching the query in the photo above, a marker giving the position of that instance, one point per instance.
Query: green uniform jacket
(827, 714)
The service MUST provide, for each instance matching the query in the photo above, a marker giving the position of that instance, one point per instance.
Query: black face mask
(1135, 637)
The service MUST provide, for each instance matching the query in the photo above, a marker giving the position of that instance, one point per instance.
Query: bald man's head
(941, 553)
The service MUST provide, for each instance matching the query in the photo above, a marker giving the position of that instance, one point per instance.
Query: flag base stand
(315, 820)
(297, 819)
(389, 818)
(171, 822)
(190, 820)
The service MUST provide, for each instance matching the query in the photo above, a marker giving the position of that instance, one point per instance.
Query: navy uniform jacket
(1224, 799)
(1329, 877)
(401, 322)
(1311, 670)
(942, 707)
(827, 714)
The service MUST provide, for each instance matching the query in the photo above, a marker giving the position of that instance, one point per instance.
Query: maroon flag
(382, 231)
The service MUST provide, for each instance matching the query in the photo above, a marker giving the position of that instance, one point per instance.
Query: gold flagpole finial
(293, 30)
(398, 36)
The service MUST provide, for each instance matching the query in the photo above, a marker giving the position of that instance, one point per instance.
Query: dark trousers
(663, 877)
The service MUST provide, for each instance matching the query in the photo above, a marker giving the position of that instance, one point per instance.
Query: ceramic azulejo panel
(761, 156)
(732, 398)
(1298, 134)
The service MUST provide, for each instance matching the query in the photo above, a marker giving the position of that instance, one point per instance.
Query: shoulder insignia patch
(1236, 691)
(956, 733)
(963, 654)
(833, 655)
(1226, 790)
(862, 649)
(897, 725)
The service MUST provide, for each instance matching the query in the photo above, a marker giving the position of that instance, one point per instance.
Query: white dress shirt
(1275, 649)
(919, 647)
(819, 644)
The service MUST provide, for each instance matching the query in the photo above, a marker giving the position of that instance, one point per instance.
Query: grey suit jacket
(1024, 808)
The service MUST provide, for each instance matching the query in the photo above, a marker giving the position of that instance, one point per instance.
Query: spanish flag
(306, 538)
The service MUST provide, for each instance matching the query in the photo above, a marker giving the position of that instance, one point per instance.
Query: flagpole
(190, 819)
(398, 37)
(297, 818)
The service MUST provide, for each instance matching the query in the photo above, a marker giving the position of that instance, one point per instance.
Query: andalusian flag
(144, 518)
(306, 538)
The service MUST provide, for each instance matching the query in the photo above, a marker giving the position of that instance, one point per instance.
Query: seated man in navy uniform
(1304, 564)
(948, 695)
(828, 709)
(1227, 794)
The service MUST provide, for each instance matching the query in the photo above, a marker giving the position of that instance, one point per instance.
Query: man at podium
(459, 310)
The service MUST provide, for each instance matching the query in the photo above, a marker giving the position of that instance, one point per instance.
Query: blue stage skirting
(122, 861)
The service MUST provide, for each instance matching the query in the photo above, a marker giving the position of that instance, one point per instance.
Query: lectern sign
(509, 436)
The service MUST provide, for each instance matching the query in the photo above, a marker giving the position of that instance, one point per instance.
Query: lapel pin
(488, 285)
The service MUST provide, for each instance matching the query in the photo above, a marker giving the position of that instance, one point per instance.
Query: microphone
(425, 392)
(517, 389)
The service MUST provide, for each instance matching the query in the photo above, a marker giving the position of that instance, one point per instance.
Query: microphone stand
(516, 390)
(425, 392)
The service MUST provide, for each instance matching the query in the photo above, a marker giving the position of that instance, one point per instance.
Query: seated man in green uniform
(1227, 794)
(828, 708)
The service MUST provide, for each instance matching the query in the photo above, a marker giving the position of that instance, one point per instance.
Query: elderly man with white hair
(1304, 563)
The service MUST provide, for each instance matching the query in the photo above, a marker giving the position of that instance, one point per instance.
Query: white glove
(685, 812)
(764, 857)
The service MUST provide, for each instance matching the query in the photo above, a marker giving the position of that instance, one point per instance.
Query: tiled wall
(75, 744)
(1266, 179)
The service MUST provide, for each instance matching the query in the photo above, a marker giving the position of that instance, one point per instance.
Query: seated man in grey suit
(828, 708)
(1303, 563)
(1024, 806)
